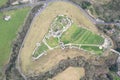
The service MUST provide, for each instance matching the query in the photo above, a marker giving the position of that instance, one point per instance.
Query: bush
(85, 4)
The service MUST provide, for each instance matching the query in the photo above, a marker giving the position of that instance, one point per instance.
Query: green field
(3, 2)
(79, 35)
(52, 42)
(9, 30)
(93, 49)
(40, 50)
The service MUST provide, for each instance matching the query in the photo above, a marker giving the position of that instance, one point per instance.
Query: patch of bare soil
(70, 73)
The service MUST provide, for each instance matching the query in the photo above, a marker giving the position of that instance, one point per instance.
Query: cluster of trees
(85, 4)
(100, 71)
(109, 12)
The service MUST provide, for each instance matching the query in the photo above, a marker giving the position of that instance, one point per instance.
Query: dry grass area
(71, 73)
(52, 58)
(40, 27)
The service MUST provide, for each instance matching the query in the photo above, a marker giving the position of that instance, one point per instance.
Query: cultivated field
(8, 32)
(86, 39)
(80, 35)
(40, 27)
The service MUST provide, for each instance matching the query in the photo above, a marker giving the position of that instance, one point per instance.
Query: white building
(7, 18)
(106, 43)
(15, 3)
(99, 20)
(24, 1)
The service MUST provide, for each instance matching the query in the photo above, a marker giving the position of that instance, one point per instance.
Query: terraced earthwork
(64, 32)
(59, 32)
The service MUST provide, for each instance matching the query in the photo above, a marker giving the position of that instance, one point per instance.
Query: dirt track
(40, 27)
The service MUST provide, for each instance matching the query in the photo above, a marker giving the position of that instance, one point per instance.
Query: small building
(7, 18)
(99, 20)
(100, 47)
(106, 43)
(15, 3)
(23, 1)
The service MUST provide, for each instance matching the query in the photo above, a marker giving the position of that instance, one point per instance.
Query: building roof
(7, 18)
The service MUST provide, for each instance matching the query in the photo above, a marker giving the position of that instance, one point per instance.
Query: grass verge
(9, 30)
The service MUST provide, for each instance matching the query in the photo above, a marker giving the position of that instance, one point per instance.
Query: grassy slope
(40, 50)
(8, 32)
(2, 2)
(93, 49)
(52, 42)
